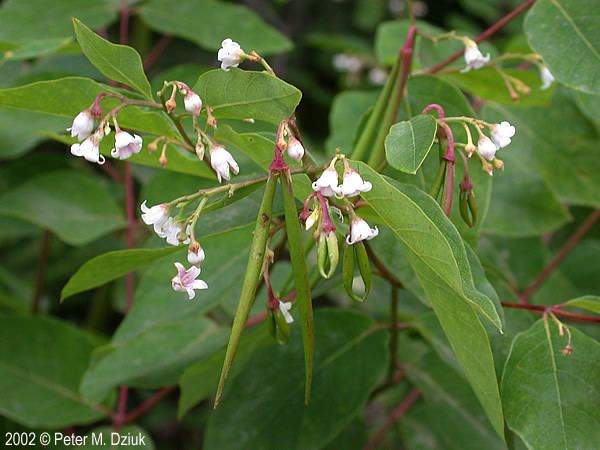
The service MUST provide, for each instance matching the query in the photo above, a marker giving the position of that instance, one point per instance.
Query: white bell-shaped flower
(171, 231)
(353, 184)
(185, 280)
(295, 149)
(285, 310)
(192, 103)
(221, 161)
(89, 149)
(230, 54)
(156, 215)
(487, 148)
(360, 230)
(126, 145)
(547, 78)
(82, 126)
(327, 183)
(474, 58)
(502, 133)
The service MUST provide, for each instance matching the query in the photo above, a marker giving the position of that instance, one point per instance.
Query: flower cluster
(327, 185)
(501, 135)
(164, 225)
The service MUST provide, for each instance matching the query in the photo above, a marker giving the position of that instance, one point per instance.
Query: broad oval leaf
(587, 302)
(241, 94)
(118, 62)
(550, 400)
(350, 358)
(208, 22)
(436, 253)
(110, 266)
(566, 34)
(41, 363)
(77, 208)
(408, 143)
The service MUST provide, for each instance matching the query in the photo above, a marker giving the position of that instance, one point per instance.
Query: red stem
(147, 405)
(396, 413)
(158, 50)
(560, 256)
(124, 23)
(556, 309)
(485, 35)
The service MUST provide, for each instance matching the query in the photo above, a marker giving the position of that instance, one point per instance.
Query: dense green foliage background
(478, 375)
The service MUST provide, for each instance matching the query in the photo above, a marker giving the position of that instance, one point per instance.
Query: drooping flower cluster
(501, 135)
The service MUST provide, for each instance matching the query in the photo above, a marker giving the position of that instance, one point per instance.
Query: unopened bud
(195, 254)
(488, 168)
(249, 120)
(470, 149)
(328, 254)
(200, 148)
(498, 164)
(163, 161)
(568, 350)
(153, 146)
(170, 104)
(312, 218)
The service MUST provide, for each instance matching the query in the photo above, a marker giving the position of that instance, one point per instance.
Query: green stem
(253, 269)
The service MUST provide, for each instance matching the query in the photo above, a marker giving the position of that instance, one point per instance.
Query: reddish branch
(485, 35)
(394, 416)
(147, 405)
(560, 256)
(158, 49)
(556, 309)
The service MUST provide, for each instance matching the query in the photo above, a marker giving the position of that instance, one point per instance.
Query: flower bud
(170, 104)
(498, 164)
(295, 149)
(200, 148)
(192, 103)
(195, 254)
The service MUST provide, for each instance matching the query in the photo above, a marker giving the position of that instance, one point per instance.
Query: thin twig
(394, 416)
(560, 256)
(383, 270)
(40, 278)
(485, 35)
(556, 309)
(157, 51)
(147, 405)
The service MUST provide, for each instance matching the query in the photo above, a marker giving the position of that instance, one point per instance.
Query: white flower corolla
(285, 310)
(347, 63)
(360, 230)
(377, 76)
(221, 161)
(195, 255)
(82, 126)
(295, 149)
(487, 148)
(192, 103)
(473, 57)
(171, 232)
(185, 280)
(547, 77)
(327, 183)
(126, 145)
(502, 133)
(230, 54)
(353, 184)
(156, 215)
(89, 149)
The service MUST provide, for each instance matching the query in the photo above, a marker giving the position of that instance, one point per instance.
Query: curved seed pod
(282, 334)
(356, 254)
(253, 269)
(464, 208)
(472, 206)
(328, 254)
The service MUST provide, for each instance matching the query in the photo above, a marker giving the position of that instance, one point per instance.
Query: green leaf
(20, 131)
(208, 22)
(303, 294)
(241, 94)
(24, 21)
(347, 110)
(264, 407)
(437, 254)
(566, 34)
(199, 381)
(66, 97)
(34, 49)
(456, 416)
(78, 208)
(110, 266)
(160, 353)
(550, 400)
(408, 143)
(118, 62)
(587, 302)
(41, 363)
